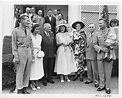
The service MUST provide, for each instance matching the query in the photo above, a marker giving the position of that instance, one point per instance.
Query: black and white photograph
(60, 48)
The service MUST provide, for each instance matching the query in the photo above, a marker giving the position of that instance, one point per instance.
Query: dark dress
(78, 45)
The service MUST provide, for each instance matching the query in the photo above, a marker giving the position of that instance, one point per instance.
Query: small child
(112, 39)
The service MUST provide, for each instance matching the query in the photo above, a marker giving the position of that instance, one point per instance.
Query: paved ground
(73, 87)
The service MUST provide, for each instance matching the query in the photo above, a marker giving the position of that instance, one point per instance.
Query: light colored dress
(112, 38)
(65, 62)
(37, 66)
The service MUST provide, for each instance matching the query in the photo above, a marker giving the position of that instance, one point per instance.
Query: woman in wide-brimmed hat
(65, 62)
(78, 46)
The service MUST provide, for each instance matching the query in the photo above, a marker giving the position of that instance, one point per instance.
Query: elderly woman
(37, 65)
(78, 46)
(65, 62)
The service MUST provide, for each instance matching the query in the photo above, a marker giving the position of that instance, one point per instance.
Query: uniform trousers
(105, 70)
(23, 68)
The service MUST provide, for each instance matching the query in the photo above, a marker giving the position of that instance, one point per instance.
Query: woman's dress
(37, 66)
(78, 45)
(65, 62)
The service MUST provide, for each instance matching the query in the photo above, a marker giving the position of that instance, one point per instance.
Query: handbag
(40, 54)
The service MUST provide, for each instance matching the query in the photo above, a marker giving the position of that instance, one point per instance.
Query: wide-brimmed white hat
(66, 25)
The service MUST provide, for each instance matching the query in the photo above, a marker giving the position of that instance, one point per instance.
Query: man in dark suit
(48, 48)
(51, 20)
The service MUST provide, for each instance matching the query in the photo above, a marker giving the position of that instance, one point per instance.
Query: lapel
(51, 18)
(89, 38)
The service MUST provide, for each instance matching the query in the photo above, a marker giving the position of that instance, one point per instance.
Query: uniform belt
(25, 46)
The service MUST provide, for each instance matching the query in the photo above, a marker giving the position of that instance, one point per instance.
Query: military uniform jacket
(99, 42)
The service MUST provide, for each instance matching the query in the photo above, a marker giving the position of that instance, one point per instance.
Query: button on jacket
(48, 44)
(90, 51)
(21, 39)
(99, 42)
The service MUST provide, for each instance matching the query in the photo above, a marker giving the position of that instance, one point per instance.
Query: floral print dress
(78, 45)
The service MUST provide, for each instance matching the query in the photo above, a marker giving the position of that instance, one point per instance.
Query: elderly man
(48, 48)
(91, 57)
(104, 66)
(40, 21)
(22, 51)
(27, 11)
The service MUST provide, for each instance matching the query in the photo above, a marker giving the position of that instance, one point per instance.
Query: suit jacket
(40, 21)
(48, 45)
(99, 42)
(52, 23)
(90, 51)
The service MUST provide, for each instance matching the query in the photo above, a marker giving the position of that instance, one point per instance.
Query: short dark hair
(103, 20)
(22, 17)
(49, 10)
(32, 17)
(58, 9)
(61, 15)
(59, 30)
(114, 21)
(34, 26)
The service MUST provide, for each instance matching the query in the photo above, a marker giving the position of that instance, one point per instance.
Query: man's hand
(33, 58)
(104, 49)
(16, 60)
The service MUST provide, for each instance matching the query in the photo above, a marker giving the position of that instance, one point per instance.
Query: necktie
(25, 32)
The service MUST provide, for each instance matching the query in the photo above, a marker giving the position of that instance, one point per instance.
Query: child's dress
(111, 39)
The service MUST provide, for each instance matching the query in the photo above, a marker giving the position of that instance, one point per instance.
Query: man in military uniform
(104, 66)
(22, 51)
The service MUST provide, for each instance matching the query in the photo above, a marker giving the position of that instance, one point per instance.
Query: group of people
(43, 45)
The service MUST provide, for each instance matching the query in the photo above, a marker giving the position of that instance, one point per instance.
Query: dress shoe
(81, 79)
(38, 87)
(25, 90)
(51, 81)
(100, 88)
(96, 85)
(62, 80)
(75, 78)
(108, 91)
(45, 83)
(67, 80)
(88, 82)
(33, 87)
(20, 91)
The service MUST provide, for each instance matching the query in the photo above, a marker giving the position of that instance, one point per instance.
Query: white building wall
(7, 18)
